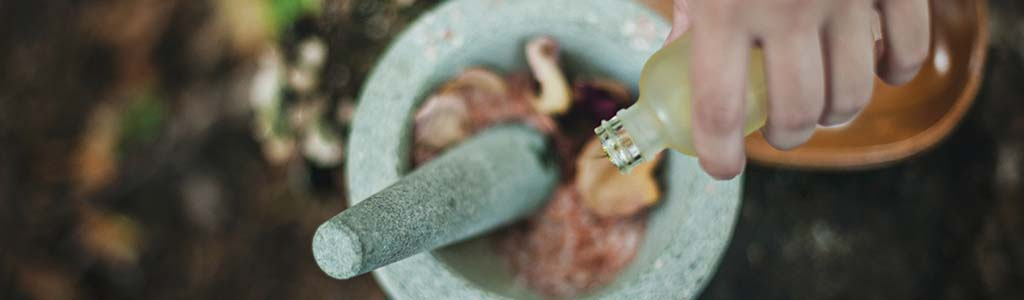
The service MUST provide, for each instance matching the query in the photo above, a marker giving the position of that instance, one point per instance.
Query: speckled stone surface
(495, 177)
(687, 232)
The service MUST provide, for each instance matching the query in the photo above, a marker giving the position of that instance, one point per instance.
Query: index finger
(718, 75)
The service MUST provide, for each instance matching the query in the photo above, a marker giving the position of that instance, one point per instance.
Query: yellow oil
(662, 116)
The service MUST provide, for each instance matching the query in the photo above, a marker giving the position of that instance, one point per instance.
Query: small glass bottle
(661, 118)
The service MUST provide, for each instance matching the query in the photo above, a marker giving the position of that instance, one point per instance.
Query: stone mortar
(686, 233)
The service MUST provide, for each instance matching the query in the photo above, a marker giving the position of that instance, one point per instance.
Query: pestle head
(337, 250)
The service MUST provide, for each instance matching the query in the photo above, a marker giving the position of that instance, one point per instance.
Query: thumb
(680, 21)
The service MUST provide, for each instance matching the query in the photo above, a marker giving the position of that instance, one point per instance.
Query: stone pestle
(497, 176)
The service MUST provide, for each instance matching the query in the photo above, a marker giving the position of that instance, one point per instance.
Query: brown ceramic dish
(902, 121)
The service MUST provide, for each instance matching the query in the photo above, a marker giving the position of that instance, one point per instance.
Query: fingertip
(907, 38)
(787, 139)
(723, 170)
(900, 73)
(900, 66)
(722, 153)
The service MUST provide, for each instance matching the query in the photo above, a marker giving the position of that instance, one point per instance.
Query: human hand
(820, 60)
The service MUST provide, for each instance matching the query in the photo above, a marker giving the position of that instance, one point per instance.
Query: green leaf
(285, 12)
(143, 119)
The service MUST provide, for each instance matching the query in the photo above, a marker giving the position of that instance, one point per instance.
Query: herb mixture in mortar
(594, 222)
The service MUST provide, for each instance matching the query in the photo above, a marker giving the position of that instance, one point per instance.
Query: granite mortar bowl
(687, 231)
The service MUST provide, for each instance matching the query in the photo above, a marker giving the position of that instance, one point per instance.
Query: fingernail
(836, 121)
(725, 178)
(723, 170)
(789, 139)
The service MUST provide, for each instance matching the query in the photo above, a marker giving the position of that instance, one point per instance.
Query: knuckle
(719, 11)
(800, 108)
(801, 19)
(796, 5)
(719, 114)
(721, 6)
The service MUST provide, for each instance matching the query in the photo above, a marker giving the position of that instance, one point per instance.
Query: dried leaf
(96, 157)
(555, 96)
(46, 281)
(116, 239)
(609, 193)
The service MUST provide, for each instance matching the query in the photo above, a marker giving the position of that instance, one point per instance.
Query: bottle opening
(618, 145)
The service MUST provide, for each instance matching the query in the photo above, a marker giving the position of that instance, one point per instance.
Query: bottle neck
(632, 137)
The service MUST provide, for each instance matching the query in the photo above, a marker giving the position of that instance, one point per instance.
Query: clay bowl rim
(880, 155)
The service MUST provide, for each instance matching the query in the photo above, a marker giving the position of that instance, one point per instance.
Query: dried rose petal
(600, 99)
(488, 97)
(609, 193)
(442, 121)
(566, 249)
(476, 79)
(555, 96)
(474, 100)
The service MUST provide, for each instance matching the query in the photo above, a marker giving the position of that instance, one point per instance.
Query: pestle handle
(489, 180)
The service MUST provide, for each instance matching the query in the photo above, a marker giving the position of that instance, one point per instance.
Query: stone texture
(493, 178)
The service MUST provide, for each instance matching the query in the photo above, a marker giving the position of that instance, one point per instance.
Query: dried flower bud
(555, 96)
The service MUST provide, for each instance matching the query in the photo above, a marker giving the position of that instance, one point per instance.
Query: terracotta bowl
(902, 121)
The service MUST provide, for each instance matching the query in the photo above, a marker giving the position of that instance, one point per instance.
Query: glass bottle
(661, 117)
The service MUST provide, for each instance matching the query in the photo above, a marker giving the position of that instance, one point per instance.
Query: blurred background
(169, 149)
